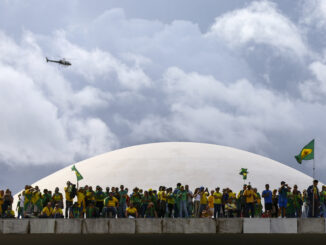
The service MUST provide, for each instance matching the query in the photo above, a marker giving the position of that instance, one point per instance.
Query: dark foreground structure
(163, 231)
(158, 239)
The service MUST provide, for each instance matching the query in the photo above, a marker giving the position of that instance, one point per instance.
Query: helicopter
(61, 62)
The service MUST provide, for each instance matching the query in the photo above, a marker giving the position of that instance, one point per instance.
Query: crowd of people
(178, 202)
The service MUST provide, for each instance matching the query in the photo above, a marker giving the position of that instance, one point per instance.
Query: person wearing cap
(282, 198)
(323, 200)
(313, 200)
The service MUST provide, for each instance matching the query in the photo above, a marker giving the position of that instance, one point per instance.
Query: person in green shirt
(258, 206)
(92, 211)
(122, 202)
(144, 203)
(297, 201)
(182, 197)
(290, 210)
(323, 200)
(135, 199)
(74, 212)
(150, 211)
(46, 197)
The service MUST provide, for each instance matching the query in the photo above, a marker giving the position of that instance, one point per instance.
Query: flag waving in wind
(307, 152)
(244, 173)
(78, 175)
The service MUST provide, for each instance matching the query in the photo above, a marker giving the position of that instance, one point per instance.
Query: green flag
(307, 152)
(78, 175)
(244, 173)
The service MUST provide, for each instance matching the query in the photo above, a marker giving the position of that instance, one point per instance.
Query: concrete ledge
(231, 225)
(95, 226)
(122, 226)
(199, 225)
(170, 225)
(68, 226)
(312, 225)
(1, 226)
(148, 226)
(42, 226)
(284, 225)
(15, 226)
(256, 225)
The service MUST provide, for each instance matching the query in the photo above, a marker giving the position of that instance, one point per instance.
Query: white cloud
(314, 13)
(315, 89)
(260, 23)
(42, 115)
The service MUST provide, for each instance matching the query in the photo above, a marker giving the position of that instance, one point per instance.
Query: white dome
(152, 165)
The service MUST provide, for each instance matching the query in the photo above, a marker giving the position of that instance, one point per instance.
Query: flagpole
(313, 176)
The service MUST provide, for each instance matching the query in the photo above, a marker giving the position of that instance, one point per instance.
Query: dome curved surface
(197, 164)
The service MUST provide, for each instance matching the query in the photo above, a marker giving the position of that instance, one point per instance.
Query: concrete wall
(158, 226)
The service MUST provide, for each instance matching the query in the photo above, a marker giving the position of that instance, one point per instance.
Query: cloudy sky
(246, 74)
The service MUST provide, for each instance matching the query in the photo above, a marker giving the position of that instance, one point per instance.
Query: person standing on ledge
(267, 195)
(250, 200)
(282, 198)
(313, 200)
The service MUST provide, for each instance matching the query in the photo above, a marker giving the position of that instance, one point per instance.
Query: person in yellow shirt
(217, 202)
(47, 211)
(203, 199)
(28, 201)
(250, 201)
(131, 211)
(37, 200)
(162, 200)
(69, 195)
(211, 202)
(110, 206)
(9, 213)
(57, 212)
(57, 198)
(230, 208)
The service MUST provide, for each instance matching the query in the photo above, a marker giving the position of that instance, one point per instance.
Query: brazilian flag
(244, 173)
(307, 152)
(78, 175)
